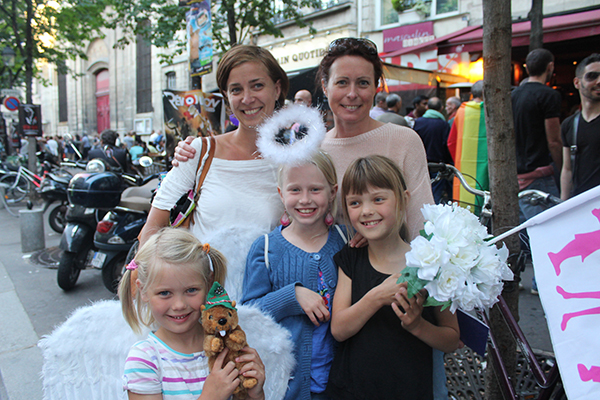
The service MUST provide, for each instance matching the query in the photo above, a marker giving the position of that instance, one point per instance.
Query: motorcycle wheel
(113, 271)
(56, 219)
(70, 266)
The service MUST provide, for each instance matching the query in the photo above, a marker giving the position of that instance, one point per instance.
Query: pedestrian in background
(581, 133)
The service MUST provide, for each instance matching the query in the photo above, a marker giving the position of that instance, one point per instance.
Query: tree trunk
(536, 16)
(497, 36)
(31, 150)
(231, 25)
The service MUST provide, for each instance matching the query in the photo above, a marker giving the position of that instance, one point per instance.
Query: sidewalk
(32, 305)
(20, 358)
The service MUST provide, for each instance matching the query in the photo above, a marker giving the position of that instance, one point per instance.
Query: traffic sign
(10, 92)
(11, 103)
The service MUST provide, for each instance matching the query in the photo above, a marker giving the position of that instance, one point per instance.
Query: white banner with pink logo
(565, 243)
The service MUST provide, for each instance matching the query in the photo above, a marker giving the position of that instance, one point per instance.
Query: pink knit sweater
(398, 143)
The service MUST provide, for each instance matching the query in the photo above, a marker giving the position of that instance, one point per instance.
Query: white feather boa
(84, 357)
(300, 150)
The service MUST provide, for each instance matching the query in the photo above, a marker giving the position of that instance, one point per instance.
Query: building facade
(122, 89)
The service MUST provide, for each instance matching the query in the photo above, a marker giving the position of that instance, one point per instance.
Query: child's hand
(184, 151)
(222, 380)
(253, 369)
(313, 305)
(386, 290)
(409, 310)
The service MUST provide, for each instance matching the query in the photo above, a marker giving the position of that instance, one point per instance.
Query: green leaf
(414, 283)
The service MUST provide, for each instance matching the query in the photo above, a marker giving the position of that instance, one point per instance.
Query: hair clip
(206, 248)
(132, 265)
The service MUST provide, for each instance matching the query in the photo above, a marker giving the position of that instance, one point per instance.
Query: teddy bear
(220, 323)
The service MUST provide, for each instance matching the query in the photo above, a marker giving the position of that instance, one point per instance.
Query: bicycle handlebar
(452, 170)
(536, 195)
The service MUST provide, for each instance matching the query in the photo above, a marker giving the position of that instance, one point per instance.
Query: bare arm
(566, 175)
(554, 141)
(347, 318)
(444, 336)
(157, 219)
(136, 396)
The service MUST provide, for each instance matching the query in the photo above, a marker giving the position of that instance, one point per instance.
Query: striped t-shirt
(152, 367)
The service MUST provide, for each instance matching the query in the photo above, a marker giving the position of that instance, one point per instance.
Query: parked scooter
(90, 195)
(119, 229)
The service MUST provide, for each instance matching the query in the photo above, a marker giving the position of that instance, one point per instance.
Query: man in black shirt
(536, 111)
(581, 170)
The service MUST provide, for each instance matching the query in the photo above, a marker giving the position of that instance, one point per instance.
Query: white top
(400, 144)
(238, 203)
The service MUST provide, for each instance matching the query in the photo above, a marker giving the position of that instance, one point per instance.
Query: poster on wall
(199, 37)
(30, 120)
(193, 113)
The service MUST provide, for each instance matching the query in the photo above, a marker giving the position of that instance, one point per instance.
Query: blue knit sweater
(272, 288)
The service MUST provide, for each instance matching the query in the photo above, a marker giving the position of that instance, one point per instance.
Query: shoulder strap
(574, 141)
(206, 155)
(267, 250)
(341, 233)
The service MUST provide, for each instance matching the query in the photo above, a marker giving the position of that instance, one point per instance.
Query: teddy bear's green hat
(217, 296)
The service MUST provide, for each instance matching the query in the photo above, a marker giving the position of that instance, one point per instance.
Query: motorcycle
(53, 188)
(90, 195)
(117, 232)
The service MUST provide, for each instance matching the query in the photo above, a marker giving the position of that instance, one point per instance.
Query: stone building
(122, 89)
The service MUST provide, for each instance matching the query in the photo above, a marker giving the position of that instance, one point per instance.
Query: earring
(285, 219)
(329, 219)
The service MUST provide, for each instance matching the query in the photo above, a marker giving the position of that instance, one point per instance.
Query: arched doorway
(102, 100)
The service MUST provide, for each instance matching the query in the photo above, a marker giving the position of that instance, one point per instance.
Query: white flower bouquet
(452, 261)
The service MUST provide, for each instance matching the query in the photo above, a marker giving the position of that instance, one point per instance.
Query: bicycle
(543, 369)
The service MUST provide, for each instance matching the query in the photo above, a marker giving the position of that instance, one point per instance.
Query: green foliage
(59, 32)
(233, 21)
(423, 7)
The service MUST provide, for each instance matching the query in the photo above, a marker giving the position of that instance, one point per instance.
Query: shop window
(433, 8)
(63, 111)
(171, 80)
(143, 75)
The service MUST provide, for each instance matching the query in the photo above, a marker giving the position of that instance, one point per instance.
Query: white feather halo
(277, 130)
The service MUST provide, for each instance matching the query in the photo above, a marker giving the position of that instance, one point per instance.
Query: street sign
(11, 103)
(10, 92)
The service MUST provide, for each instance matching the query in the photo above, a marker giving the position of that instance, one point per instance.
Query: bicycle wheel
(14, 191)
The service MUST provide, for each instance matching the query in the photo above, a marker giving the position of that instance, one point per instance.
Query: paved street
(32, 304)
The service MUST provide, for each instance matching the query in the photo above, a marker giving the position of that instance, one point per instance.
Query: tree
(497, 38)
(45, 31)
(233, 21)
(536, 16)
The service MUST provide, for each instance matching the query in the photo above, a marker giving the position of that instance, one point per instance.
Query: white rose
(470, 298)
(448, 283)
(428, 256)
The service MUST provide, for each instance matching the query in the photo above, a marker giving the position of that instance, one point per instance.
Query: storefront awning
(420, 76)
(556, 29)
(429, 45)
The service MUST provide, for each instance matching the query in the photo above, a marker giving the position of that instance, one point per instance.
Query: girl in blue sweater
(290, 272)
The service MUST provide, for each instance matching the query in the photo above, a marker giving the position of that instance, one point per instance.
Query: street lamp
(8, 58)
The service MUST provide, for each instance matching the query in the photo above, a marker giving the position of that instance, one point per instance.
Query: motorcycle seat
(138, 197)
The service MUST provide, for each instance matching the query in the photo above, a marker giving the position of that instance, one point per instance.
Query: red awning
(556, 29)
(429, 45)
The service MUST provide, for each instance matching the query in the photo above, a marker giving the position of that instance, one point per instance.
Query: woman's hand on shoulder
(313, 305)
(222, 380)
(409, 310)
(184, 151)
(254, 368)
(358, 241)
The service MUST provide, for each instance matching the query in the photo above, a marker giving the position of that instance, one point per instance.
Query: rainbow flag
(467, 143)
